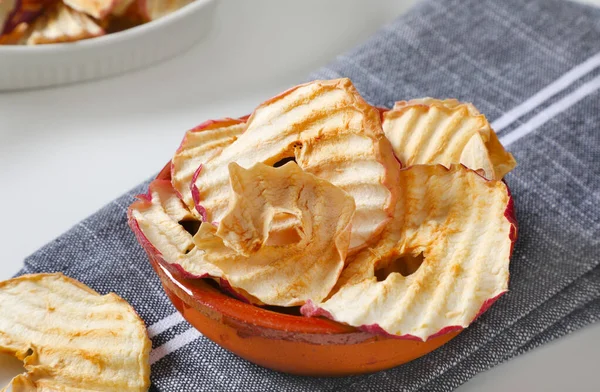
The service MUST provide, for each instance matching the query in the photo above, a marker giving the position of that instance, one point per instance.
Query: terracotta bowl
(279, 338)
(286, 342)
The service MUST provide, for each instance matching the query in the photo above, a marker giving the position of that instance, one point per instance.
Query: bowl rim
(109, 39)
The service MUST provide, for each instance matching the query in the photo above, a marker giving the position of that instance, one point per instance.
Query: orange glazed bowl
(280, 338)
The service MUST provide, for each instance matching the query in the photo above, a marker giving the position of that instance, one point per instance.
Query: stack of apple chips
(393, 221)
(35, 22)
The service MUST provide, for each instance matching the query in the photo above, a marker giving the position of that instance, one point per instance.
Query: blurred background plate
(23, 67)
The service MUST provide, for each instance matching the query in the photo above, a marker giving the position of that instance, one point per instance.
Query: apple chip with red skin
(286, 270)
(433, 131)
(197, 147)
(300, 264)
(15, 12)
(70, 338)
(15, 37)
(165, 228)
(457, 230)
(331, 132)
(61, 23)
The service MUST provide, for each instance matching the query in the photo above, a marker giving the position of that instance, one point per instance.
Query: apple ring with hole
(441, 262)
(434, 131)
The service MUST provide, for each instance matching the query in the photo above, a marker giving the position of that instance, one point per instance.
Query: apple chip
(15, 37)
(297, 264)
(62, 24)
(15, 12)
(291, 269)
(441, 262)
(154, 9)
(94, 8)
(331, 132)
(165, 227)
(198, 145)
(70, 338)
(432, 131)
(121, 7)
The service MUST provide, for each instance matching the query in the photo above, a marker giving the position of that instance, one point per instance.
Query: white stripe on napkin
(164, 324)
(547, 92)
(551, 111)
(174, 344)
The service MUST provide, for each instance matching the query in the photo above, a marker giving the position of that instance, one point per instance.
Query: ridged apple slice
(97, 9)
(61, 23)
(154, 9)
(432, 131)
(71, 338)
(331, 132)
(165, 227)
(300, 266)
(198, 146)
(452, 236)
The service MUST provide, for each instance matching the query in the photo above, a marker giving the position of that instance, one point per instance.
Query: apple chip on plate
(70, 338)
(15, 36)
(154, 9)
(433, 131)
(441, 262)
(198, 145)
(97, 9)
(331, 132)
(122, 6)
(62, 24)
(16, 12)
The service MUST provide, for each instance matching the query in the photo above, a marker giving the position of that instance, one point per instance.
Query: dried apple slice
(305, 264)
(154, 9)
(331, 132)
(432, 131)
(71, 338)
(165, 227)
(198, 145)
(95, 8)
(452, 236)
(15, 12)
(62, 24)
(121, 7)
(15, 37)
(285, 271)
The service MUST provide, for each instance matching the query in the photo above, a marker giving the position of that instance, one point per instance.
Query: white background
(65, 152)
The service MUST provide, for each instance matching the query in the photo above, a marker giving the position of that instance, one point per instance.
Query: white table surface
(65, 152)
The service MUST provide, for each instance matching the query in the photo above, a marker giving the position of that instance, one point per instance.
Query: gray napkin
(534, 69)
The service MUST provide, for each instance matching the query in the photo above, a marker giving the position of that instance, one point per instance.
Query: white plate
(23, 67)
